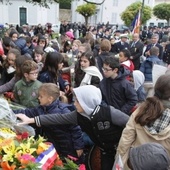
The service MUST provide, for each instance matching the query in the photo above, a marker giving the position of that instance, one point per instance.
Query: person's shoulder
(38, 82)
(19, 82)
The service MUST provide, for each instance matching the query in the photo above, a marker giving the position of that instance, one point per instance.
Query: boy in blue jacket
(67, 139)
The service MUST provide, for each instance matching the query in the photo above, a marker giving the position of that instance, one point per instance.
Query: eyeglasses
(34, 73)
(106, 69)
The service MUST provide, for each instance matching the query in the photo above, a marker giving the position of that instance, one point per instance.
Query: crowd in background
(39, 70)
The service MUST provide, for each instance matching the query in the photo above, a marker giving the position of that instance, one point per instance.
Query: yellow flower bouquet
(19, 150)
(23, 152)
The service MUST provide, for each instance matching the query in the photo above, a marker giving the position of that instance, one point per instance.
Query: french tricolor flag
(47, 158)
(136, 23)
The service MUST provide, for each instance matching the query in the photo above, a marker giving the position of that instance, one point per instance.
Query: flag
(136, 23)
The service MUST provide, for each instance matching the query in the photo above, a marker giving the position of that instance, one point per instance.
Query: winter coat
(146, 66)
(66, 138)
(135, 135)
(119, 92)
(45, 77)
(26, 93)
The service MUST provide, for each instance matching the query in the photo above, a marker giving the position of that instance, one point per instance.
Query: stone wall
(65, 14)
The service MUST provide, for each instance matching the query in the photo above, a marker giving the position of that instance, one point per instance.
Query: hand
(79, 152)
(147, 53)
(4, 57)
(25, 120)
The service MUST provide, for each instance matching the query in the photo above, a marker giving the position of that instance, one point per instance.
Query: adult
(136, 50)
(154, 42)
(122, 44)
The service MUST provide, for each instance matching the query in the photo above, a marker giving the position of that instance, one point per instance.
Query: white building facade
(111, 11)
(21, 12)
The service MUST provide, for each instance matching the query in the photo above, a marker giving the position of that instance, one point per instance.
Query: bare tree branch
(94, 2)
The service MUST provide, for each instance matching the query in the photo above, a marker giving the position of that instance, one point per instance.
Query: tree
(162, 11)
(128, 15)
(65, 4)
(87, 10)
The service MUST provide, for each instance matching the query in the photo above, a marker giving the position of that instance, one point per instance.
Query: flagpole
(143, 2)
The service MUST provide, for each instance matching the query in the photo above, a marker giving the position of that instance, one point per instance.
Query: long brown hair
(153, 107)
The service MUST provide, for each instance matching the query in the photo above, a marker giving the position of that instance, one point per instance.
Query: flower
(23, 152)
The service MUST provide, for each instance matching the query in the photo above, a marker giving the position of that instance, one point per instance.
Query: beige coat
(134, 135)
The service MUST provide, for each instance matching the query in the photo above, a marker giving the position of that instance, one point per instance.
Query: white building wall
(110, 11)
(35, 14)
(3, 14)
(154, 20)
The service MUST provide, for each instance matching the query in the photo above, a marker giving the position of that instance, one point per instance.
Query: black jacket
(119, 92)
(100, 128)
(136, 51)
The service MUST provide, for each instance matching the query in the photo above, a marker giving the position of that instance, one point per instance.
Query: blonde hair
(78, 42)
(50, 89)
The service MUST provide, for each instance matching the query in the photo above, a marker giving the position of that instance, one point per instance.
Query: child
(42, 41)
(39, 57)
(104, 125)
(124, 59)
(51, 72)
(91, 74)
(75, 46)
(9, 66)
(26, 89)
(67, 139)
(137, 78)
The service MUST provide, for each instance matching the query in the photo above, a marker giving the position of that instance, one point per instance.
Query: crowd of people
(89, 87)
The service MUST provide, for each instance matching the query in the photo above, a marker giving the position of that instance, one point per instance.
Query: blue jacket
(66, 138)
(146, 66)
(45, 77)
(119, 92)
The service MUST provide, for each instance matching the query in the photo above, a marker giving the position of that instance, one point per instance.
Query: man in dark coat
(122, 44)
(136, 50)
(154, 42)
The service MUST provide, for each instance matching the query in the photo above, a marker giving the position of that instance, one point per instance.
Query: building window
(115, 2)
(23, 16)
(114, 17)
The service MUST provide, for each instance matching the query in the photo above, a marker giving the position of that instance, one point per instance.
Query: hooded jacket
(103, 119)
(119, 92)
(138, 79)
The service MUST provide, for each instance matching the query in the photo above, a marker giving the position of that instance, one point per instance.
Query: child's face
(38, 57)
(122, 57)
(78, 106)
(14, 37)
(60, 65)
(84, 62)
(11, 59)
(31, 76)
(44, 99)
(75, 47)
(42, 43)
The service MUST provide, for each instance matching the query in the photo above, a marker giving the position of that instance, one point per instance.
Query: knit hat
(70, 34)
(150, 156)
